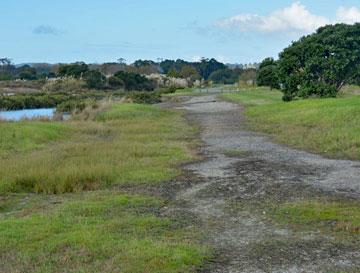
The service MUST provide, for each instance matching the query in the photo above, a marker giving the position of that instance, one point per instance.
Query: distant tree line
(130, 77)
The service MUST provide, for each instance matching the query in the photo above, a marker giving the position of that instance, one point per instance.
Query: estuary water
(17, 115)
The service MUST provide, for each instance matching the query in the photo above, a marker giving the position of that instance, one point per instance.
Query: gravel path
(243, 167)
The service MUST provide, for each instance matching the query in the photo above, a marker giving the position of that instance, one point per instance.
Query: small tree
(267, 75)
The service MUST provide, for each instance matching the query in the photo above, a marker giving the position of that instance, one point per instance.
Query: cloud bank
(295, 18)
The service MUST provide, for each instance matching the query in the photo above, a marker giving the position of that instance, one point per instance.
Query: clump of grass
(255, 96)
(99, 232)
(327, 126)
(128, 144)
(343, 217)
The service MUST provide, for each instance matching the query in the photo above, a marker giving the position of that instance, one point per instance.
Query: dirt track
(244, 170)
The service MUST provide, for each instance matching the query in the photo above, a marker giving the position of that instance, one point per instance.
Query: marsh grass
(98, 232)
(127, 144)
(326, 126)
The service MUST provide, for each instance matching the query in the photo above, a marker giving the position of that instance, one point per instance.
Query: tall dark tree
(320, 64)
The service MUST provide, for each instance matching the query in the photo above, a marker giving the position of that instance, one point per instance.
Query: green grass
(326, 126)
(340, 217)
(98, 232)
(28, 135)
(128, 144)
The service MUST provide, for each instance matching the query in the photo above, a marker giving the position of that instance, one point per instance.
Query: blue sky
(236, 31)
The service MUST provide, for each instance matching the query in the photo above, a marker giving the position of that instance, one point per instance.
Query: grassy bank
(327, 126)
(88, 225)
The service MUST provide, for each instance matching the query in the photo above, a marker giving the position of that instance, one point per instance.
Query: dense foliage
(322, 63)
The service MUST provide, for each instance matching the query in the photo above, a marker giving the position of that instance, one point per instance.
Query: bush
(94, 79)
(115, 82)
(144, 97)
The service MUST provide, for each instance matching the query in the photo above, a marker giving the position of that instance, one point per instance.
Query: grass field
(88, 225)
(127, 144)
(326, 126)
(97, 232)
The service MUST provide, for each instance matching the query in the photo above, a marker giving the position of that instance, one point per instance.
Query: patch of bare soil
(245, 172)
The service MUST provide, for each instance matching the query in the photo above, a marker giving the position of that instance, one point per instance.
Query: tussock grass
(129, 144)
(98, 232)
(326, 126)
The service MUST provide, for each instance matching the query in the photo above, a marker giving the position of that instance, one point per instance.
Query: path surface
(246, 168)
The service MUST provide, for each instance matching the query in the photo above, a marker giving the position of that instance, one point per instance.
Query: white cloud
(295, 18)
(348, 15)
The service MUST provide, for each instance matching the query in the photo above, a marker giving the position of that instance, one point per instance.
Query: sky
(94, 31)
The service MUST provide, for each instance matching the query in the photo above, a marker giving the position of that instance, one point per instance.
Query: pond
(27, 113)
